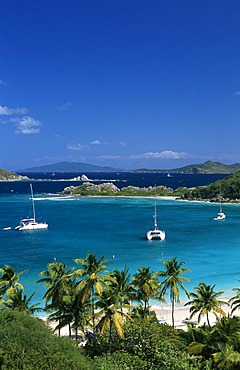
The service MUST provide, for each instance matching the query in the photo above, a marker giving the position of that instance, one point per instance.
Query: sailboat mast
(33, 205)
(220, 199)
(155, 210)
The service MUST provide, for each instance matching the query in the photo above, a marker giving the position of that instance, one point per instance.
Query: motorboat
(155, 234)
(31, 223)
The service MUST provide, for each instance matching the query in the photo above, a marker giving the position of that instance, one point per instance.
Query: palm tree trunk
(93, 318)
(69, 330)
(208, 320)
(76, 332)
(173, 324)
(110, 336)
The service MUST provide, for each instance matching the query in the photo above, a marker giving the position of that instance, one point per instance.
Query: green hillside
(206, 167)
(8, 176)
(229, 188)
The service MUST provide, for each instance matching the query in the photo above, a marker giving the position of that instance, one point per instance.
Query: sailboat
(155, 234)
(221, 215)
(31, 223)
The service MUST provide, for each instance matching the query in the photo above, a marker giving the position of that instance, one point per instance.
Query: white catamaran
(156, 234)
(31, 223)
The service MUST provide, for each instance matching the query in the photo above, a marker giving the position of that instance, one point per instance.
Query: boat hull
(32, 226)
(220, 216)
(156, 235)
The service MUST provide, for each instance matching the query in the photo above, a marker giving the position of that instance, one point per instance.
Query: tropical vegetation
(227, 189)
(109, 316)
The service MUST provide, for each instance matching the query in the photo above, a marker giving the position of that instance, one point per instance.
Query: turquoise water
(116, 229)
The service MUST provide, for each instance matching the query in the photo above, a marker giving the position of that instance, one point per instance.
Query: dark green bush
(26, 343)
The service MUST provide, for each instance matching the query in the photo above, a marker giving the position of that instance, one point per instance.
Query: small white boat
(156, 234)
(221, 215)
(31, 223)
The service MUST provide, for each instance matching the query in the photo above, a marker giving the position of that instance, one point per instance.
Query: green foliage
(167, 357)
(230, 190)
(106, 189)
(145, 347)
(26, 343)
(119, 360)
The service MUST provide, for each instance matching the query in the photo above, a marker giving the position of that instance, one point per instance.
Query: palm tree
(17, 301)
(59, 282)
(75, 314)
(94, 278)
(121, 284)
(9, 279)
(111, 312)
(235, 301)
(146, 286)
(173, 280)
(204, 301)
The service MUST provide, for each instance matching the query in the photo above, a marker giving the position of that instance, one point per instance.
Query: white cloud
(237, 93)
(2, 83)
(166, 154)
(97, 142)
(65, 106)
(27, 125)
(5, 111)
(77, 146)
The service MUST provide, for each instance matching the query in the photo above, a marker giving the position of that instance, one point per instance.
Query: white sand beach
(164, 315)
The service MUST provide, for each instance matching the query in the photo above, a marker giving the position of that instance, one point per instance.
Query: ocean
(116, 229)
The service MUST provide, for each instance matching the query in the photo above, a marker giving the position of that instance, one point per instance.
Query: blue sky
(121, 83)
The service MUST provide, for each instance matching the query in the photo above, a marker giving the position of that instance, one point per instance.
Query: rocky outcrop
(80, 178)
(88, 188)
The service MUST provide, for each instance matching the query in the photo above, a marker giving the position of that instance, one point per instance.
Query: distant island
(70, 167)
(208, 167)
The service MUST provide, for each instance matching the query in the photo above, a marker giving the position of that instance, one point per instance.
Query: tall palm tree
(146, 286)
(75, 314)
(204, 301)
(111, 312)
(9, 279)
(173, 281)
(94, 277)
(121, 284)
(59, 282)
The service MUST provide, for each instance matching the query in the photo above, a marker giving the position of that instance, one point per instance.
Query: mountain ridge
(208, 167)
(70, 167)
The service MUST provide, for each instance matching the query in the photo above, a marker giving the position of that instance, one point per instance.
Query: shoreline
(164, 315)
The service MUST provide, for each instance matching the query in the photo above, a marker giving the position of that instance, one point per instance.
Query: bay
(116, 229)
